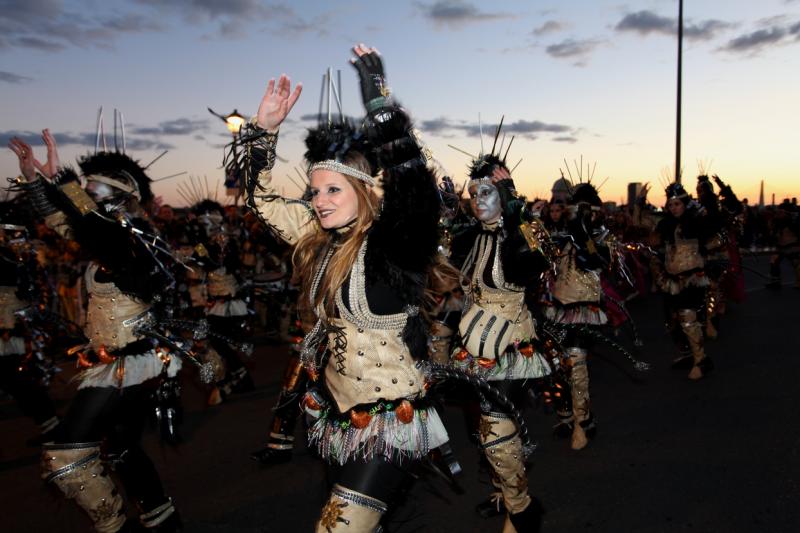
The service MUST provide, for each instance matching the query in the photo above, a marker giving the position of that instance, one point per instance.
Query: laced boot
(583, 423)
(503, 448)
(77, 471)
(348, 510)
(702, 364)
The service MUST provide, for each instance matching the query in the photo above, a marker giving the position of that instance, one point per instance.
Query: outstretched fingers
(295, 95)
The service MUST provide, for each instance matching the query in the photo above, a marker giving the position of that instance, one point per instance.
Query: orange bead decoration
(404, 412)
(360, 419)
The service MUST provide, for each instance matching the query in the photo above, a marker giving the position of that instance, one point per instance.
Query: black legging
(116, 417)
(377, 477)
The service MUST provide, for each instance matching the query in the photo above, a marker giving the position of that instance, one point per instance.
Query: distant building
(634, 190)
(561, 191)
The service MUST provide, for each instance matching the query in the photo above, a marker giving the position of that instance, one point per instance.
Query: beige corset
(366, 365)
(111, 315)
(9, 304)
(221, 284)
(574, 285)
(509, 305)
(683, 256)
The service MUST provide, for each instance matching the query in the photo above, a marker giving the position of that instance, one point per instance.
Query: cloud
(756, 41)
(456, 13)
(10, 77)
(647, 23)
(570, 48)
(551, 26)
(445, 127)
(565, 139)
(84, 139)
(47, 26)
(179, 126)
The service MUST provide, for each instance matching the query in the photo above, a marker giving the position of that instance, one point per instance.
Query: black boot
(529, 520)
(493, 506)
(272, 456)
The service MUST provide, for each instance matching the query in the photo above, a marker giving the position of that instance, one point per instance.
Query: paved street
(720, 455)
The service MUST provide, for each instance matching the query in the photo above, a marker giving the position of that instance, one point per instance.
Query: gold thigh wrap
(350, 511)
(503, 449)
(80, 475)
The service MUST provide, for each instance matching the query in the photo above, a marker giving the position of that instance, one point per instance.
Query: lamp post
(234, 122)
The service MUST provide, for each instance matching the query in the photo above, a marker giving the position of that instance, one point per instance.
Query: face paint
(485, 202)
(99, 191)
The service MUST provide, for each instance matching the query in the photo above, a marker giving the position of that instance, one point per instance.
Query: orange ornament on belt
(311, 402)
(404, 412)
(461, 355)
(527, 350)
(360, 419)
(487, 363)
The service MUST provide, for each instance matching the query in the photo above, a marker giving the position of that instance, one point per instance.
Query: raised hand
(50, 168)
(27, 162)
(277, 102)
(370, 72)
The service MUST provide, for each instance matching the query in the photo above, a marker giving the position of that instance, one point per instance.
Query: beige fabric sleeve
(292, 219)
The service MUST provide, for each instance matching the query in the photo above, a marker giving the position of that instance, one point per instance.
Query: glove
(374, 91)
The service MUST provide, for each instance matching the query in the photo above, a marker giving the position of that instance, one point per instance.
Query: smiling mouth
(325, 212)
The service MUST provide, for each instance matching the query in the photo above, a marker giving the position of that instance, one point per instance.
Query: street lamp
(234, 122)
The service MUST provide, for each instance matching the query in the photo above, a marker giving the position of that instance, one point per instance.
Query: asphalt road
(720, 455)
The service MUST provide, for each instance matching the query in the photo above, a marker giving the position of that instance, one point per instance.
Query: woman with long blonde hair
(363, 265)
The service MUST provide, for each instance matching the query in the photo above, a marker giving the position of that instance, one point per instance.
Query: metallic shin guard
(350, 511)
(694, 334)
(503, 449)
(76, 470)
(579, 389)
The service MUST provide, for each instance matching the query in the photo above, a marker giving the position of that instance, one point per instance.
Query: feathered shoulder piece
(118, 167)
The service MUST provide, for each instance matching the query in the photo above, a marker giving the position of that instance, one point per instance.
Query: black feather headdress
(336, 141)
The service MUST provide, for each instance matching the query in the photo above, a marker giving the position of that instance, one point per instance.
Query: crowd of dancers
(390, 283)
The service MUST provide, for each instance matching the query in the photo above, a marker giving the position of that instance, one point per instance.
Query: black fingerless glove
(374, 90)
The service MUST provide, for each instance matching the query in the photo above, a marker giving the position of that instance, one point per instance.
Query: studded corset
(112, 315)
(369, 360)
(683, 255)
(488, 288)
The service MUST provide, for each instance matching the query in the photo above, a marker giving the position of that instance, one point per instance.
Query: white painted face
(334, 199)
(99, 191)
(485, 202)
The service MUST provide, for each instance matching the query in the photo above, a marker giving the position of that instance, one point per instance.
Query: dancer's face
(556, 211)
(485, 202)
(334, 199)
(676, 207)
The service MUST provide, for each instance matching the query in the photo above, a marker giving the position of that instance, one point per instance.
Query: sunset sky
(590, 78)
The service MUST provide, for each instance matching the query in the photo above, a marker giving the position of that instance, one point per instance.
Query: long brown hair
(312, 247)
